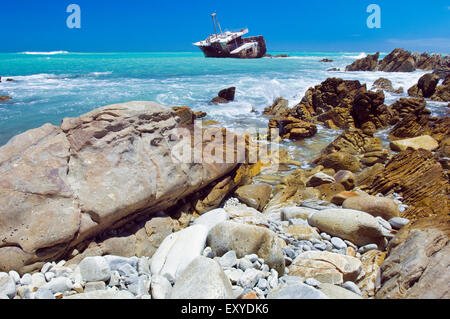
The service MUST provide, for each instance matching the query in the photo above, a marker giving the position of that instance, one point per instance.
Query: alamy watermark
(374, 20)
(74, 19)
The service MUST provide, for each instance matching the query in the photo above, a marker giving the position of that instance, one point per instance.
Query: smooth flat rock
(336, 292)
(425, 142)
(178, 250)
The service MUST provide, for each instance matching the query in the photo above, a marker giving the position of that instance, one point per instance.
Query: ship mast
(214, 16)
(214, 23)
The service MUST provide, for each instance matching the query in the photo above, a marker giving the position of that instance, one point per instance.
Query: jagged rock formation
(419, 178)
(369, 63)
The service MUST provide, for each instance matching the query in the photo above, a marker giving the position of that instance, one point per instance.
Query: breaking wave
(45, 53)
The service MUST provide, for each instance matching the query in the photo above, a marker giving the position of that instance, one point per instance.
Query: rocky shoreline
(104, 207)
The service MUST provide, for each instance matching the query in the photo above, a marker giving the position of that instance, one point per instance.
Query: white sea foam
(45, 53)
(359, 56)
(100, 73)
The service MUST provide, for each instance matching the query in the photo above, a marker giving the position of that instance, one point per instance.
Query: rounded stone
(95, 269)
(338, 243)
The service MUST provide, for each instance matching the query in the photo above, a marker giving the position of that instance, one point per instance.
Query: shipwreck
(231, 44)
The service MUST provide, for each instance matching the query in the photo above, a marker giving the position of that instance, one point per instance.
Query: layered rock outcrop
(398, 60)
(418, 262)
(369, 63)
(419, 178)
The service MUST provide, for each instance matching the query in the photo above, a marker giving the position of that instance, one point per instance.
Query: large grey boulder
(247, 240)
(95, 269)
(63, 185)
(358, 227)
(202, 279)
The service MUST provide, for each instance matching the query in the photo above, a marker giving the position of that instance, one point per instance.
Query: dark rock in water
(224, 96)
(329, 103)
(277, 56)
(228, 94)
(428, 62)
(369, 107)
(368, 63)
(398, 60)
(5, 98)
(425, 87)
(386, 84)
(326, 60)
(219, 100)
(442, 72)
(418, 262)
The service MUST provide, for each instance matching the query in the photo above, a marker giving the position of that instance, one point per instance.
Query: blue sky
(172, 25)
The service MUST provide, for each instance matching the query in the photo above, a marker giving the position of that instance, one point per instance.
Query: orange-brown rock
(279, 108)
(442, 92)
(441, 129)
(213, 196)
(418, 262)
(405, 106)
(256, 195)
(419, 178)
(369, 107)
(293, 128)
(341, 161)
(411, 125)
(346, 178)
(338, 199)
(328, 191)
(354, 142)
(365, 178)
(372, 158)
(330, 94)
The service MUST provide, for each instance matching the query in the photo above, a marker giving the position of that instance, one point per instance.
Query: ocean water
(49, 86)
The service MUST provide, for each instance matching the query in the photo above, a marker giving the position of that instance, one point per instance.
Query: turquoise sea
(49, 86)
